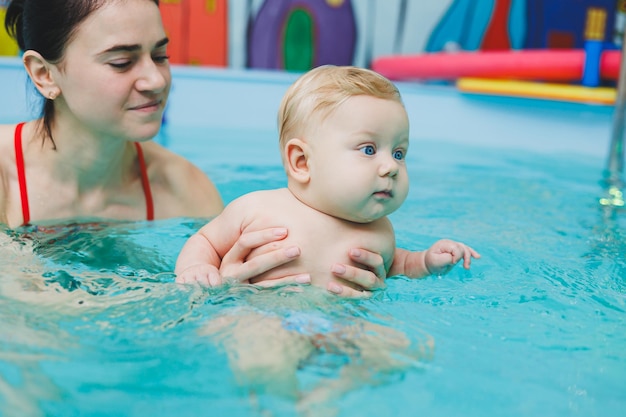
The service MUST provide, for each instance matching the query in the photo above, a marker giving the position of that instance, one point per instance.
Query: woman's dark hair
(47, 26)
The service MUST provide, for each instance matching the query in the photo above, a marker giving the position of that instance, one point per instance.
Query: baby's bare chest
(323, 241)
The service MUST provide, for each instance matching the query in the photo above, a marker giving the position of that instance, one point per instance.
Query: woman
(102, 69)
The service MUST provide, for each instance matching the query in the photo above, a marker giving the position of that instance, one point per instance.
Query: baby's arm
(439, 259)
(219, 251)
(198, 261)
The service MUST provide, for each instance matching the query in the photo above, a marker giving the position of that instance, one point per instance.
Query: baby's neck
(308, 200)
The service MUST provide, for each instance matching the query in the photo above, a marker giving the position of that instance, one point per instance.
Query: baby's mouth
(385, 194)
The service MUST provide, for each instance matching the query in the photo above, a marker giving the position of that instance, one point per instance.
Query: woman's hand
(235, 267)
(369, 275)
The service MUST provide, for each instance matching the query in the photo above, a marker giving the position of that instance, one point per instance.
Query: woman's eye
(368, 150)
(160, 59)
(398, 154)
(120, 64)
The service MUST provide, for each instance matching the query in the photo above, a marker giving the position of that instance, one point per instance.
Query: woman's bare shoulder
(7, 150)
(7, 128)
(168, 166)
(268, 200)
(183, 185)
(7, 166)
(7, 133)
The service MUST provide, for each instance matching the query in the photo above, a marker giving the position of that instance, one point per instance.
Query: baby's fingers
(202, 278)
(468, 254)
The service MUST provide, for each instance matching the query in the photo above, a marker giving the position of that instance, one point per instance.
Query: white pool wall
(228, 98)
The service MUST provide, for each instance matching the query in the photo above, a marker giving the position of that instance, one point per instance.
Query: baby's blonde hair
(321, 90)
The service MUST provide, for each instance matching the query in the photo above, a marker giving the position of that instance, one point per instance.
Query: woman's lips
(150, 106)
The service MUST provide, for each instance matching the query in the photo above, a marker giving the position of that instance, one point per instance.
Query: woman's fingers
(236, 267)
(346, 291)
(370, 276)
(252, 240)
(301, 279)
(243, 271)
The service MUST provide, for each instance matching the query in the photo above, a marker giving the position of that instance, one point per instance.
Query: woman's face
(115, 75)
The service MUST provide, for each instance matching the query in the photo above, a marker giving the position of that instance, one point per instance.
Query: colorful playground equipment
(552, 91)
(8, 47)
(524, 73)
(553, 49)
(198, 31)
(298, 35)
(540, 64)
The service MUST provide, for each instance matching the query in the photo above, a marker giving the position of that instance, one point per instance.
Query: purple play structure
(301, 34)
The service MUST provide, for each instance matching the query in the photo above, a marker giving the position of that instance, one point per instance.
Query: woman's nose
(153, 77)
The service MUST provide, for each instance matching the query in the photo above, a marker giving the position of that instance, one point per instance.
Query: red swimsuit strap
(145, 182)
(21, 177)
(21, 174)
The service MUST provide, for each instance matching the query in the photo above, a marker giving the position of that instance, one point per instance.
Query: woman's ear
(40, 73)
(296, 160)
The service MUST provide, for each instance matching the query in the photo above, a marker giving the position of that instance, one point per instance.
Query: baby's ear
(296, 160)
(40, 73)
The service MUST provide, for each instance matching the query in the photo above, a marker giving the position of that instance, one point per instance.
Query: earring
(52, 94)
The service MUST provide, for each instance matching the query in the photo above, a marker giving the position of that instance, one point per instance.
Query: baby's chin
(361, 216)
(365, 212)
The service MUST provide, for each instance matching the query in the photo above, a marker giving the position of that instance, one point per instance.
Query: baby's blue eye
(399, 155)
(368, 150)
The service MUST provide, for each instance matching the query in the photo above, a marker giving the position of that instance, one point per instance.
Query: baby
(344, 136)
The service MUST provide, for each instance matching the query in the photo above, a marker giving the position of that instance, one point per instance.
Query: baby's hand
(204, 274)
(441, 257)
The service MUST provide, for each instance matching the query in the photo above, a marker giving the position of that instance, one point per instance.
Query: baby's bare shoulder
(262, 202)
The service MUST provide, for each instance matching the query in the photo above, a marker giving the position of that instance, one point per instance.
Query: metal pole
(615, 163)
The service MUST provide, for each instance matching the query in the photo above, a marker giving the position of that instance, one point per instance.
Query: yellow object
(8, 46)
(595, 24)
(549, 91)
(210, 6)
(334, 3)
(615, 198)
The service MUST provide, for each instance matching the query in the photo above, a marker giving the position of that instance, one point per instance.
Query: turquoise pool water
(91, 323)
(95, 326)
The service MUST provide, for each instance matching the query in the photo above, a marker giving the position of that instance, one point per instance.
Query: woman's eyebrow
(132, 47)
(121, 48)
(162, 42)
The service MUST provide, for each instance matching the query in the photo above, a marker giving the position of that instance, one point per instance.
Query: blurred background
(296, 35)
